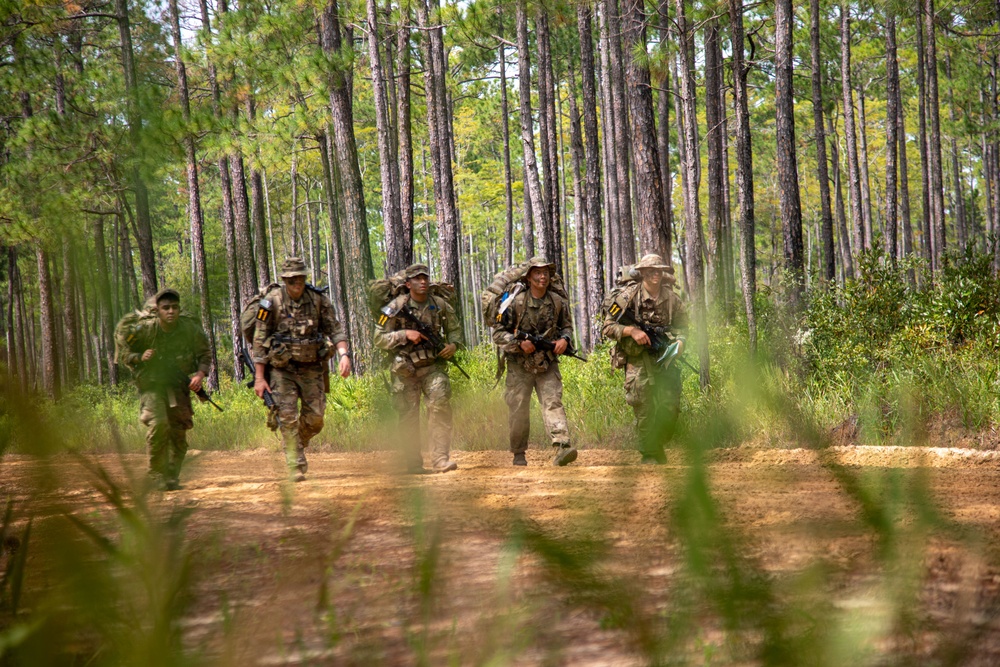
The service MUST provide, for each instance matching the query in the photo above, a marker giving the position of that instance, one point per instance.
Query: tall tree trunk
(104, 300)
(243, 231)
(692, 210)
(536, 221)
(714, 141)
(891, 140)
(546, 135)
(71, 321)
(581, 214)
(648, 178)
(395, 253)
(16, 359)
(508, 239)
(335, 254)
(610, 159)
(46, 297)
(927, 212)
(961, 219)
(788, 175)
(744, 174)
(357, 252)
(619, 118)
(441, 153)
(405, 132)
(257, 211)
(194, 196)
(846, 258)
(592, 160)
(904, 182)
(934, 109)
(853, 171)
(143, 227)
(663, 124)
(866, 196)
(829, 271)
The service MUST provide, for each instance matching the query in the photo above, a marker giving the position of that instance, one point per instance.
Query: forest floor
(360, 565)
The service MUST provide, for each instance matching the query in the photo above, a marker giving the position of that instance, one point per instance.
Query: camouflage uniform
(548, 317)
(417, 371)
(654, 392)
(295, 340)
(164, 398)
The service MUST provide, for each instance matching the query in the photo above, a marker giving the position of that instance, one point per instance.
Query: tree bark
(610, 160)
(904, 182)
(16, 359)
(71, 321)
(934, 109)
(744, 174)
(46, 314)
(508, 239)
(357, 252)
(788, 176)
(144, 228)
(866, 195)
(648, 178)
(846, 257)
(536, 220)
(104, 299)
(927, 213)
(194, 196)
(335, 253)
(663, 127)
(395, 241)
(581, 213)
(853, 171)
(891, 138)
(546, 140)
(961, 219)
(714, 141)
(829, 270)
(692, 210)
(620, 120)
(592, 159)
(404, 126)
(258, 215)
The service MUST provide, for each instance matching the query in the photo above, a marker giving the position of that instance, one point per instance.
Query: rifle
(546, 345)
(662, 342)
(435, 340)
(202, 394)
(247, 360)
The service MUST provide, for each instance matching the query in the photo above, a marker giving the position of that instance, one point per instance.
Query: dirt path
(359, 565)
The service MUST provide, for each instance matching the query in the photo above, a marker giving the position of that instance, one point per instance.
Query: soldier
(163, 349)
(418, 369)
(542, 312)
(296, 334)
(653, 390)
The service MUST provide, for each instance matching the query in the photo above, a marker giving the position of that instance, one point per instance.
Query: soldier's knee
(312, 424)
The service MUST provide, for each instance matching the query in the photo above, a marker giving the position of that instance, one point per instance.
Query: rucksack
(129, 326)
(503, 285)
(253, 312)
(383, 291)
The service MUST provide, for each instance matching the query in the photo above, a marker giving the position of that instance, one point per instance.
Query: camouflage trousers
(433, 384)
(655, 397)
(517, 393)
(290, 385)
(167, 415)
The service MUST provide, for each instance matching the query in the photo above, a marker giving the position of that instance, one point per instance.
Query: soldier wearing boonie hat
(540, 311)
(654, 392)
(296, 333)
(418, 371)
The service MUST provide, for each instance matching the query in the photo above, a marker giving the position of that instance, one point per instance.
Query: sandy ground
(361, 565)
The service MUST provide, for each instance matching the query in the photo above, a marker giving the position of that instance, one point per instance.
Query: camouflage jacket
(667, 311)
(311, 318)
(179, 352)
(435, 312)
(548, 317)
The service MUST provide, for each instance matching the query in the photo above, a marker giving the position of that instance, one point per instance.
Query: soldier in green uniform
(539, 311)
(653, 390)
(170, 357)
(418, 369)
(296, 333)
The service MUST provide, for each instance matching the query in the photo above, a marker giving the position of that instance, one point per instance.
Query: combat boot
(300, 459)
(564, 455)
(445, 466)
(519, 459)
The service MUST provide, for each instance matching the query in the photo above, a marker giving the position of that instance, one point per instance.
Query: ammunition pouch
(618, 358)
(304, 352)
(280, 354)
(402, 366)
(422, 357)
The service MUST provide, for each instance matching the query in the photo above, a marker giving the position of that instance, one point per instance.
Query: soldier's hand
(414, 336)
(449, 351)
(560, 346)
(148, 354)
(527, 347)
(344, 366)
(680, 346)
(195, 384)
(260, 385)
(639, 336)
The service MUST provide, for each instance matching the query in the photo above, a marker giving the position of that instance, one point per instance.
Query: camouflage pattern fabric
(539, 372)
(289, 386)
(416, 372)
(653, 393)
(433, 385)
(167, 416)
(517, 393)
(308, 318)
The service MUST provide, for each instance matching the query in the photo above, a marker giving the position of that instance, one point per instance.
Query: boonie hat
(539, 262)
(165, 292)
(653, 261)
(293, 266)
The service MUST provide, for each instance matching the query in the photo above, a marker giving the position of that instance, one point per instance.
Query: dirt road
(542, 565)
